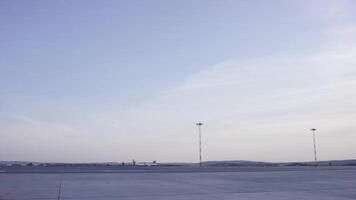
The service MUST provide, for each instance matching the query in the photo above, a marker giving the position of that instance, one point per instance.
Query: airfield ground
(326, 183)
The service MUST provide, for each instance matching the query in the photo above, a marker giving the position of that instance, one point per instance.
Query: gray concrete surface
(303, 184)
(161, 169)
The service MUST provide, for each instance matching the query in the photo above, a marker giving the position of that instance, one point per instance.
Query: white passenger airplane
(148, 164)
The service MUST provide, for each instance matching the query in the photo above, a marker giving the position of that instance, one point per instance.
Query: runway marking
(7, 193)
(59, 188)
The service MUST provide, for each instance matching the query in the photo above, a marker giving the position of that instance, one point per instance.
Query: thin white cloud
(257, 109)
(269, 97)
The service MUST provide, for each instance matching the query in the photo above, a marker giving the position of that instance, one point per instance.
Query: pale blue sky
(115, 80)
(75, 49)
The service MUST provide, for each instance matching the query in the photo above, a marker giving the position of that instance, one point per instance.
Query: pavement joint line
(59, 188)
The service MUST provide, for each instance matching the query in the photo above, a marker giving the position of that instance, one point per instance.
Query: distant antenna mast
(316, 160)
(199, 124)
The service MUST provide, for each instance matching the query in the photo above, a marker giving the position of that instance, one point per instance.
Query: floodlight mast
(315, 158)
(199, 124)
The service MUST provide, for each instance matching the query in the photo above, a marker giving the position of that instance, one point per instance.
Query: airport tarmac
(325, 184)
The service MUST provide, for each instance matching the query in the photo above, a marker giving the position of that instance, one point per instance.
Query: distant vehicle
(147, 164)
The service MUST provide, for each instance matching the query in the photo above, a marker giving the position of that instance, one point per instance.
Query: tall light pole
(199, 124)
(316, 160)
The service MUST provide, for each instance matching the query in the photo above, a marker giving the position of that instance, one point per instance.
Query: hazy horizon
(84, 81)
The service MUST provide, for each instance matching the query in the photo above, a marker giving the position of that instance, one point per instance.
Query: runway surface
(288, 183)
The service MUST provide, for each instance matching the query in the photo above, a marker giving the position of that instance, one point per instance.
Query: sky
(97, 81)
